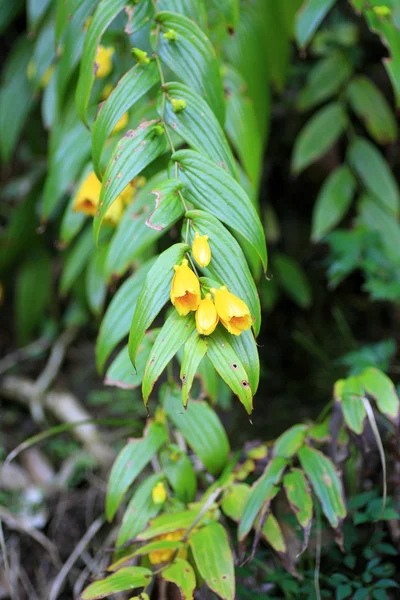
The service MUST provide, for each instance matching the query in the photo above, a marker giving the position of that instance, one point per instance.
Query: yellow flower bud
(234, 313)
(201, 250)
(104, 61)
(159, 493)
(185, 289)
(88, 196)
(140, 56)
(178, 105)
(206, 316)
(121, 123)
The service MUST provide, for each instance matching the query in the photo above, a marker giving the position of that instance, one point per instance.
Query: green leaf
(192, 58)
(158, 545)
(272, 533)
(214, 561)
(380, 387)
(197, 125)
(351, 395)
(299, 497)
(137, 149)
(293, 280)
(142, 13)
(193, 353)
(324, 80)
(376, 217)
(168, 208)
(16, 97)
(230, 10)
(201, 428)
(33, 287)
(124, 579)
(35, 11)
(333, 201)
(371, 106)
(130, 88)
(319, 134)
(19, 233)
(105, 13)
(290, 441)
(96, 288)
(228, 265)
(194, 9)
(234, 501)
(170, 522)
(140, 510)
(154, 294)
(121, 372)
(64, 13)
(182, 575)
(375, 173)
(76, 260)
(179, 471)
(244, 345)
(228, 365)
(72, 221)
(129, 463)
(118, 317)
(261, 493)
(205, 182)
(309, 17)
(174, 333)
(320, 470)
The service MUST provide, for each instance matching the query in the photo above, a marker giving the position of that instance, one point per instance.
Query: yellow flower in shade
(104, 61)
(185, 289)
(201, 250)
(121, 123)
(107, 89)
(161, 556)
(206, 316)
(87, 200)
(159, 493)
(234, 313)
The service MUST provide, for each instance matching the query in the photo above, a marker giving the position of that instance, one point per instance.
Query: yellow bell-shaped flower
(201, 250)
(88, 197)
(104, 61)
(185, 289)
(234, 313)
(159, 493)
(206, 316)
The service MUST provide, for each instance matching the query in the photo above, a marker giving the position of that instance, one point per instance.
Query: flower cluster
(216, 306)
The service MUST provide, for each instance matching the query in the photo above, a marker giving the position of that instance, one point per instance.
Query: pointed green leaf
(227, 363)
(140, 510)
(76, 259)
(137, 149)
(121, 372)
(354, 413)
(198, 126)
(105, 13)
(194, 9)
(142, 13)
(299, 497)
(178, 469)
(170, 522)
(293, 279)
(290, 441)
(192, 58)
(262, 491)
(96, 288)
(129, 463)
(118, 317)
(375, 216)
(333, 201)
(182, 575)
(246, 348)
(168, 205)
(272, 534)
(321, 472)
(381, 388)
(130, 88)
(319, 134)
(309, 17)
(210, 188)
(371, 106)
(65, 11)
(154, 294)
(193, 353)
(324, 80)
(158, 545)
(128, 578)
(214, 561)
(201, 428)
(228, 265)
(234, 500)
(375, 173)
(174, 333)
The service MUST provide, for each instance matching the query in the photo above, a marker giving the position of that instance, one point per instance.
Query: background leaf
(124, 579)
(309, 17)
(181, 574)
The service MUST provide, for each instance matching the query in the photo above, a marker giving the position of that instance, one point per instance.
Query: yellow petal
(104, 61)
(201, 250)
(185, 289)
(115, 212)
(233, 312)
(159, 493)
(206, 316)
(88, 195)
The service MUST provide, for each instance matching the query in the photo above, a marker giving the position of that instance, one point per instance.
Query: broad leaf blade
(299, 496)
(214, 561)
(182, 575)
(193, 353)
(354, 414)
(96, 288)
(290, 441)
(272, 534)
(129, 463)
(121, 372)
(124, 579)
(380, 387)
(324, 80)
(170, 522)
(309, 17)
(179, 471)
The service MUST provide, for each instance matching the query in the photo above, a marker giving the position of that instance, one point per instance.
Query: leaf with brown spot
(193, 353)
(181, 573)
(298, 494)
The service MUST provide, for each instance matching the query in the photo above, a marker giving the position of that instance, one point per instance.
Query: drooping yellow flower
(121, 123)
(201, 249)
(161, 556)
(185, 289)
(159, 493)
(104, 61)
(88, 197)
(233, 312)
(206, 316)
